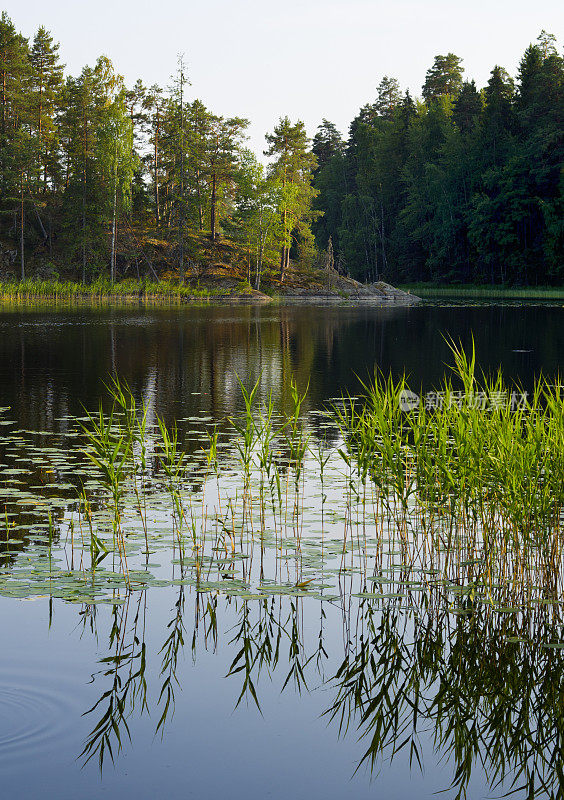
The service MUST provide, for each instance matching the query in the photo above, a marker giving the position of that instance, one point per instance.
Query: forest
(464, 185)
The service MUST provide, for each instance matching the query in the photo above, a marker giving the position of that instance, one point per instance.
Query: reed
(466, 495)
(101, 290)
(172, 462)
(473, 488)
(109, 450)
(485, 292)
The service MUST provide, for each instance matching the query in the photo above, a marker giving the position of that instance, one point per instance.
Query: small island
(120, 188)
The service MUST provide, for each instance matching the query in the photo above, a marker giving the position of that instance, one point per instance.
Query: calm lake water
(182, 693)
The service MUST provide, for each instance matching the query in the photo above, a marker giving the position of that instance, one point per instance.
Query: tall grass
(99, 290)
(473, 489)
(473, 292)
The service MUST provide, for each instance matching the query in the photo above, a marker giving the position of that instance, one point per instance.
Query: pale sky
(262, 59)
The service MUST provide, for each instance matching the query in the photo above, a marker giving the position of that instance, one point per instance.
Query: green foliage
(465, 186)
(293, 170)
(443, 78)
(90, 168)
(257, 219)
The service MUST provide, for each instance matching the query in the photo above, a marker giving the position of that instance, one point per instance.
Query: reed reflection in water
(484, 691)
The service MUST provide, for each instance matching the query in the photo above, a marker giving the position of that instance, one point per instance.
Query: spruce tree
(45, 83)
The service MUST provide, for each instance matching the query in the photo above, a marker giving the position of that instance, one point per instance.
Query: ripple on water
(37, 715)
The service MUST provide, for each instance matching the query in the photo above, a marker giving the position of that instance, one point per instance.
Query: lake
(264, 668)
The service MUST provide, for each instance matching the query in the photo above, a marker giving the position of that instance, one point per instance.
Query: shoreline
(52, 293)
(130, 301)
(470, 292)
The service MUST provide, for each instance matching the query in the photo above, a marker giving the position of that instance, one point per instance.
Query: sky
(306, 59)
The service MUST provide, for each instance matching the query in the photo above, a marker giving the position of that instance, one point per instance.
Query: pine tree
(443, 78)
(155, 107)
(223, 152)
(200, 122)
(14, 72)
(293, 170)
(389, 97)
(87, 100)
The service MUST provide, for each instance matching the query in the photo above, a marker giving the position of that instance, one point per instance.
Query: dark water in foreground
(187, 361)
(176, 676)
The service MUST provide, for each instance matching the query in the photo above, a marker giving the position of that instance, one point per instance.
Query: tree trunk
(40, 127)
(22, 254)
(200, 209)
(384, 259)
(182, 209)
(157, 198)
(113, 257)
(213, 205)
(84, 176)
(259, 265)
(284, 248)
(84, 231)
(4, 102)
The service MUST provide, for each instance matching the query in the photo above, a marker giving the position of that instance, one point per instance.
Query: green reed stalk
(475, 487)
(110, 450)
(172, 462)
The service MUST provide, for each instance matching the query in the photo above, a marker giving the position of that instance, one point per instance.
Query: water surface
(171, 665)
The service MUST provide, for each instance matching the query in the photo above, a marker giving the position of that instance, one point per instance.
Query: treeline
(464, 185)
(105, 179)
(98, 179)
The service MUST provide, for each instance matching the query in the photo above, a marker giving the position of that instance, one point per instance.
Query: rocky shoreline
(337, 289)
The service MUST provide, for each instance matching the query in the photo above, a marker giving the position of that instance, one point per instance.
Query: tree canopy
(464, 184)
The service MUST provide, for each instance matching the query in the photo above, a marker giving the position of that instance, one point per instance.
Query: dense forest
(463, 185)
(97, 178)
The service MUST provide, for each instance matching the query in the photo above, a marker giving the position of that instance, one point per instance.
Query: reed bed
(461, 503)
(433, 533)
(473, 491)
(472, 292)
(99, 290)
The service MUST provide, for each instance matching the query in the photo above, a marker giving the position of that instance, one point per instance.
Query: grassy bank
(101, 290)
(472, 292)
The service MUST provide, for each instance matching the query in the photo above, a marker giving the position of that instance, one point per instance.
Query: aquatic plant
(464, 497)
(436, 532)
(485, 291)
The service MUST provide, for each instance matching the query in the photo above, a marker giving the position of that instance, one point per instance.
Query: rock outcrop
(329, 286)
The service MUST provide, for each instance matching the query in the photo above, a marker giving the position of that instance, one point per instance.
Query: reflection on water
(186, 361)
(488, 701)
(376, 683)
